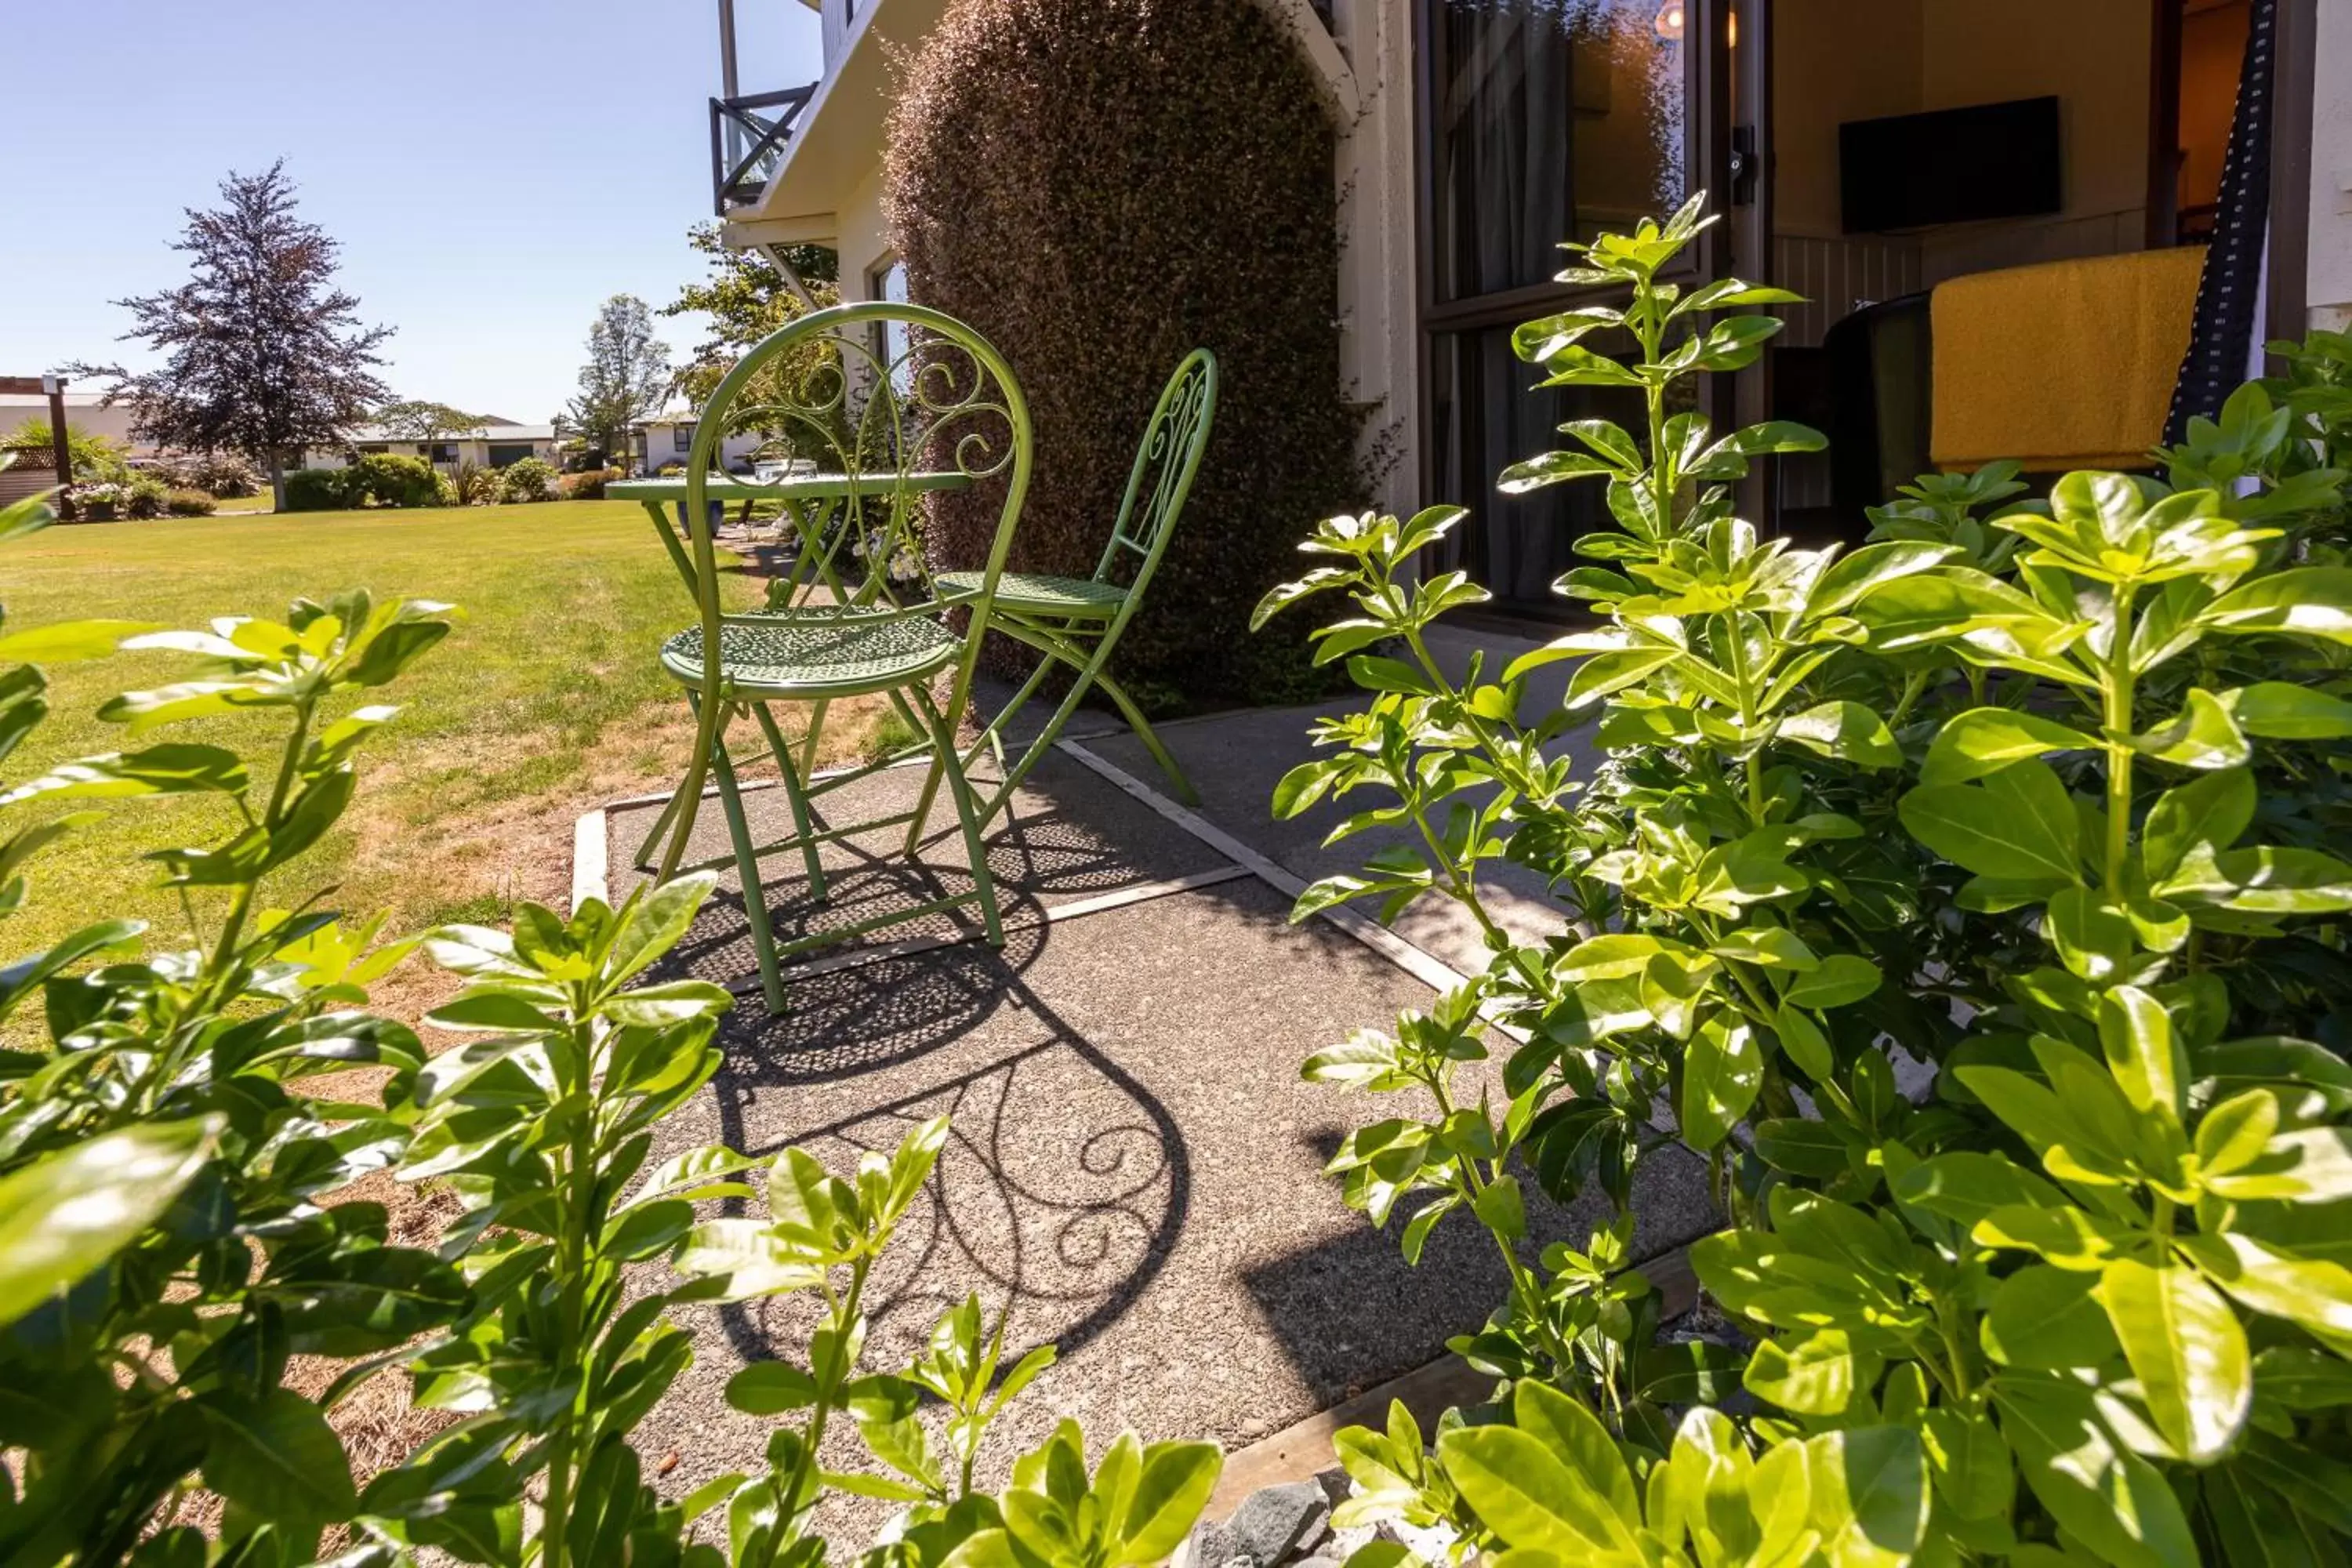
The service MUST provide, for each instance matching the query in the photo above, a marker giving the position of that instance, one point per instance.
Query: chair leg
(944, 756)
(1144, 732)
(796, 795)
(711, 721)
(959, 789)
(747, 868)
(809, 741)
(993, 738)
(643, 859)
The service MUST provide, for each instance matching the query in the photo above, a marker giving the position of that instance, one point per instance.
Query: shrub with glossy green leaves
(173, 1228)
(2045, 798)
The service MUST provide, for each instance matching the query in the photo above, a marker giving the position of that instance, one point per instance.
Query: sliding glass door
(1542, 120)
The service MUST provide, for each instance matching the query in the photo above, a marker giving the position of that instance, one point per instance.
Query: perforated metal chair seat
(817, 655)
(1034, 594)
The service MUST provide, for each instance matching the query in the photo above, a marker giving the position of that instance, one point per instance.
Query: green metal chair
(893, 401)
(1076, 622)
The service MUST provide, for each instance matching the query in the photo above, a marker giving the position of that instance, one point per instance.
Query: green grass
(545, 698)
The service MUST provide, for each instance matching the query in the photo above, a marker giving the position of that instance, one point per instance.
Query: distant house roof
(39, 402)
(496, 431)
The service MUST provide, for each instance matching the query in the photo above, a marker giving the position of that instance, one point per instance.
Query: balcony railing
(747, 143)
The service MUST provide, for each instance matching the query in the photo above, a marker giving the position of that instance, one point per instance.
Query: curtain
(2225, 342)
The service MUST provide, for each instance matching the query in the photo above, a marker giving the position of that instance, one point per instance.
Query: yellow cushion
(2070, 364)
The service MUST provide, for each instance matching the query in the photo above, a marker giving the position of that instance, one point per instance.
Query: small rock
(1257, 1426)
(1274, 1523)
(1318, 1561)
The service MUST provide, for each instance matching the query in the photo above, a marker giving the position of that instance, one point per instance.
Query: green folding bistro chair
(893, 401)
(1076, 622)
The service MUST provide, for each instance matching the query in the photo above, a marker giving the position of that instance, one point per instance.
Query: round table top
(791, 487)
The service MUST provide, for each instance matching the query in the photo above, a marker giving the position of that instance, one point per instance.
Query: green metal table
(809, 500)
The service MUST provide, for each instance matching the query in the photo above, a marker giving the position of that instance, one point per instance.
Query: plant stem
(2119, 712)
(571, 1252)
(1740, 675)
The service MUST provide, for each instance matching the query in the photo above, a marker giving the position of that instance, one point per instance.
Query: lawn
(544, 702)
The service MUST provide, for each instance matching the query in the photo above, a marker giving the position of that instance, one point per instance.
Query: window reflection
(1553, 119)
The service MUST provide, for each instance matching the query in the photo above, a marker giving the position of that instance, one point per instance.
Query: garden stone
(1273, 1523)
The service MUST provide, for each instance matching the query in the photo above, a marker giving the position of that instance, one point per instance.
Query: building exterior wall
(1378, 304)
(1877, 57)
(476, 452)
(113, 423)
(2328, 281)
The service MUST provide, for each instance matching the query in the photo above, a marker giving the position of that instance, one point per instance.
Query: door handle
(1743, 165)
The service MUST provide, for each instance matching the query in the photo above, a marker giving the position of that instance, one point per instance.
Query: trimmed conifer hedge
(1100, 186)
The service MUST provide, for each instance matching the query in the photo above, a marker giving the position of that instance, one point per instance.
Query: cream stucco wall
(2329, 285)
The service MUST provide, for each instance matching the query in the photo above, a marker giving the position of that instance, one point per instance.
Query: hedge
(1099, 186)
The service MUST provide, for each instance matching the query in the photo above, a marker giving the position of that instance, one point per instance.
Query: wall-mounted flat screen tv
(1955, 165)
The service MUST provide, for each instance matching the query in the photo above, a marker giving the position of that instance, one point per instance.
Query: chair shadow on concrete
(1065, 1182)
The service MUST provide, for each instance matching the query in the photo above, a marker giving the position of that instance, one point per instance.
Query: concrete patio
(1135, 1173)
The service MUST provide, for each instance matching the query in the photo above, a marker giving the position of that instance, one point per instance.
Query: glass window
(889, 281)
(1551, 120)
(503, 453)
(1484, 418)
(681, 437)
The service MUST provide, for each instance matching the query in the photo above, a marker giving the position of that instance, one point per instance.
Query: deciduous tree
(747, 298)
(413, 419)
(625, 378)
(261, 352)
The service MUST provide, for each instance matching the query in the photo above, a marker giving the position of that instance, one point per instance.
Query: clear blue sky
(494, 169)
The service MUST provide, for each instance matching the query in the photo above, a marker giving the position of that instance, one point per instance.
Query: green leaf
(1967, 1186)
(2278, 710)
(2203, 736)
(771, 1388)
(1818, 1374)
(158, 769)
(1839, 980)
(2212, 811)
(1170, 1493)
(2146, 1057)
(1987, 739)
(2311, 1165)
(1804, 1148)
(2311, 1291)
(2094, 939)
(1605, 673)
(2069, 1237)
(1722, 1071)
(2285, 881)
(1524, 1492)
(2019, 825)
(2309, 600)
(62, 1217)
(652, 926)
(1501, 1209)
(1774, 947)
(1969, 1463)
(1849, 577)
(1846, 731)
(2112, 1500)
(1617, 955)
(2185, 1345)
(1578, 1439)
(70, 641)
(2046, 1318)
(1869, 1495)
(275, 1457)
(1805, 1043)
